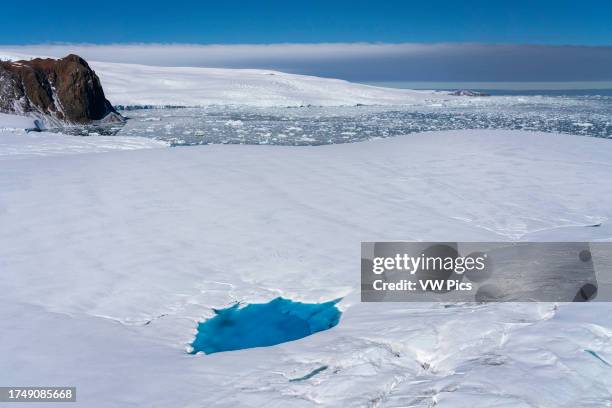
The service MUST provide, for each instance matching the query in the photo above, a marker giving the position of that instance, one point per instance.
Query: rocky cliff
(65, 89)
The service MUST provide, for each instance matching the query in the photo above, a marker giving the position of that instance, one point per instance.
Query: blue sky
(585, 22)
(427, 40)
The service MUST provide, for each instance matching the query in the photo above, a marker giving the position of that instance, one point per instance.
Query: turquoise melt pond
(263, 324)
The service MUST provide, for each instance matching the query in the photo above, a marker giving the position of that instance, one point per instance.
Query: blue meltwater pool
(263, 324)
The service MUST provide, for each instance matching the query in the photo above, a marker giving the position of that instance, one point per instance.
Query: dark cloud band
(367, 62)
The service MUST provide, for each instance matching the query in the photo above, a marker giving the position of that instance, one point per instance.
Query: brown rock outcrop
(66, 89)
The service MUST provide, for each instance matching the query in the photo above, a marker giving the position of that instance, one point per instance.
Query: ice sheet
(109, 261)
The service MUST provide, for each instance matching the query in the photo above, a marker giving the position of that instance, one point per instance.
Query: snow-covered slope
(132, 84)
(19, 145)
(17, 142)
(109, 260)
(17, 122)
(129, 84)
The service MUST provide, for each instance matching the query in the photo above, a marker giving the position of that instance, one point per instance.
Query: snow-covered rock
(66, 90)
(468, 92)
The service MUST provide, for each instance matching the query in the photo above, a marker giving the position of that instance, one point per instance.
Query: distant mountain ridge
(65, 90)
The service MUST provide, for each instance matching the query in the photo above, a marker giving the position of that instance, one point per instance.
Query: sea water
(578, 112)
